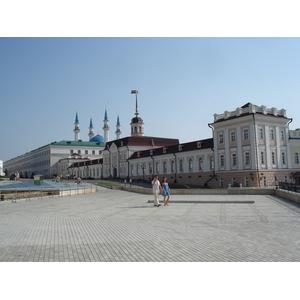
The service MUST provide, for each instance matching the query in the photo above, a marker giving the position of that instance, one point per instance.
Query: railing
(289, 187)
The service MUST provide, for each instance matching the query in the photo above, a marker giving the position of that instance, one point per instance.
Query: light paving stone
(119, 226)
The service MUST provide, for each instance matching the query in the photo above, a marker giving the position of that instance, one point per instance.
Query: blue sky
(182, 83)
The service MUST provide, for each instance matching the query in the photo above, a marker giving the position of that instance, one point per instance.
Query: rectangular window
(260, 134)
(221, 139)
(246, 134)
(262, 157)
(296, 156)
(246, 181)
(273, 158)
(232, 136)
(222, 160)
(86, 152)
(283, 158)
(234, 159)
(247, 158)
(282, 135)
(79, 151)
(271, 134)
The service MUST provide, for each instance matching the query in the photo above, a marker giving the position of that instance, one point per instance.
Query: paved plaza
(119, 226)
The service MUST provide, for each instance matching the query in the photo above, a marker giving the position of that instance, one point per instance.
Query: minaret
(137, 124)
(91, 129)
(76, 129)
(106, 127)
(118, 129)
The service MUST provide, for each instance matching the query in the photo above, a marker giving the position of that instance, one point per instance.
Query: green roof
(78, 143)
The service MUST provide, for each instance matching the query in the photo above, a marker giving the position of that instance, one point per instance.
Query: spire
(106, 127)
(91, 129)
(137, 124)
(76, 118)
(118, 128)
(105, 115)
(76, 129)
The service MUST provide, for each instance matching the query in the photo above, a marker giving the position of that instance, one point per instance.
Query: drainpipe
(255, 139)
(175, 181)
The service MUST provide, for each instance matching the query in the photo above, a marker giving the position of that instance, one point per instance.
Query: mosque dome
(98, 139)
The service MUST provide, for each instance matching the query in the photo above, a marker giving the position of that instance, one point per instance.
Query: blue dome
(98, 139)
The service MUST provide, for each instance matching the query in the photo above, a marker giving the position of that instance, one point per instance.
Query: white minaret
(137, 124)
(118, 129)
(77, 129)
(91, 129)
(106, 128)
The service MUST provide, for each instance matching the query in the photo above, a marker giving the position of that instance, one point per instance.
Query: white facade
(1, 168)
(44, 160)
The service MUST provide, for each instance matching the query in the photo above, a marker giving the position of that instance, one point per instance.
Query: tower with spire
(118, 129)
(137, 124)
(106, 127)
(77, 129)
(91, 129)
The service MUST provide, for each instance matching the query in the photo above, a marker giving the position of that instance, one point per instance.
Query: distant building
(1, 168)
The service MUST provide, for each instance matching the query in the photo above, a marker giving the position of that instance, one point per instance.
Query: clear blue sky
(182, 83)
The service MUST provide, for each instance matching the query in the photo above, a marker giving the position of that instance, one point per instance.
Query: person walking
(165, 191)
(156, 188)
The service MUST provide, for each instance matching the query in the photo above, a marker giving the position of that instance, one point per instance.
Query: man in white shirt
(156, 187)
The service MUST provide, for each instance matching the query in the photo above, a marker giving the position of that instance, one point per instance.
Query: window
(93, 152)
(131, 169)
(222, 160)
(150, 168)
(247, 158)
(283, 158)
(232, 136)
(165, 167)
(262, 157)
(137, 169)
(198, 144)
(296, 157)
(233, 181)
(282, 135)
(246, 181)
(71, 152)
(246, 134)
(234, 159)
(181, 165)
(221, 182)
(200, 161)
(260, 134)
(211, 163)
(190, 165)
(86, 152)
(179, 147)
(79, 151)
(172, 166)
(157, 167)
(271, 134)
(221, 139)
(164, 150)
(273, 158)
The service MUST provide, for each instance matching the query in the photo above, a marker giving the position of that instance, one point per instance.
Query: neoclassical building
(251, 146)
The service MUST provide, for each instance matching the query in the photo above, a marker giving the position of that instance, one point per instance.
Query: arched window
(172, 166)
(190, 165)
(200, 163)
(165, 167)
(211, 163)
(181, 165)
(157, 167)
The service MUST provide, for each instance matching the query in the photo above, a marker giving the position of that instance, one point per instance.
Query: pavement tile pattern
(120, 226)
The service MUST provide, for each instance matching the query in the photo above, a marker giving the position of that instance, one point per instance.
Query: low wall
(292, 196)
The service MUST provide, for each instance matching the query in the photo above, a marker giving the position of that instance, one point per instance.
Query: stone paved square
(120, 226)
